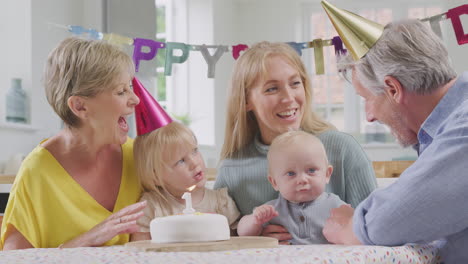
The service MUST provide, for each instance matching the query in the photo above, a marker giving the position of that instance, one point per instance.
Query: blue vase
(16, 103)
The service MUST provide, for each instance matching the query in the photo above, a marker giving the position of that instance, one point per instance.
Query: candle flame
(191, 188)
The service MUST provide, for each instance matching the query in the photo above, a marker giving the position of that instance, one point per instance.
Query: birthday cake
(196, 227)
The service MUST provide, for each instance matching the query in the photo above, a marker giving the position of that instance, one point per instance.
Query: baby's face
(186, 168)
(300, 171)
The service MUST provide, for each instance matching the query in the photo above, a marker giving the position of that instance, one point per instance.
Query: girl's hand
(122, 222)
(264, 213)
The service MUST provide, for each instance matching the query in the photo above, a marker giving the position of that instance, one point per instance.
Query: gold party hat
(357, 33)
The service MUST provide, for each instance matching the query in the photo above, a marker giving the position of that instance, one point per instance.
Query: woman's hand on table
(278, 232)
(338, 228)
(122, 222)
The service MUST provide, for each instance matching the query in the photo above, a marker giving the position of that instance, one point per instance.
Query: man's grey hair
(409, 51)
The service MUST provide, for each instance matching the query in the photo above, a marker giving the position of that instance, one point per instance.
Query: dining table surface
(323, 254)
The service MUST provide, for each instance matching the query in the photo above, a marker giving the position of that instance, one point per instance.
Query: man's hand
(339, 226)
(278, 232)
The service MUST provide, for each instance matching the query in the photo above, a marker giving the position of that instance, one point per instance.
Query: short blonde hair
(241, 126)
(151, 152)
(292, 139)
(82, 68)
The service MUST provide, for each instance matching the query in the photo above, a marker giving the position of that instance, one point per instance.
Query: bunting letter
(171, 58)
(338, 44)
(318, 55)
(454, 15)
(298, 46)
(435, 24)
(138, 54)
(237, 49)
(211, 60)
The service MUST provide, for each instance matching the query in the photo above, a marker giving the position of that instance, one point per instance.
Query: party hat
(358, 34)
(149, 114)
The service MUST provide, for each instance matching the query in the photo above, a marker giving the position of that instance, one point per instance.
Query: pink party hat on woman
(149, 114)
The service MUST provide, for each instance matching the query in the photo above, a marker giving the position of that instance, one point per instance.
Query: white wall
(31, 38)
(15, 25)
(208, 22)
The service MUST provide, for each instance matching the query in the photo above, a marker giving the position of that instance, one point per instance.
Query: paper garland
(138, 54)
(454, 15)
(317, 44)
(237, 49)
(212, 59)
(171, 58)
(219, 50)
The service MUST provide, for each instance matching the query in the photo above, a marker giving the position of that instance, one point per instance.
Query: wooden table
(7, 179)
(323, 254)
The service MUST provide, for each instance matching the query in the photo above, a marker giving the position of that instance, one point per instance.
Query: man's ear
(272, 180)
(329, 173)
(77, 105)
(393, 89)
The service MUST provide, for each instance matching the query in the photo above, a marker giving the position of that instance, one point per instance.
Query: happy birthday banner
(212, 58)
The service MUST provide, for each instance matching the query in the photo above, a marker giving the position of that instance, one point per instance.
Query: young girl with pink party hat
(168, 163)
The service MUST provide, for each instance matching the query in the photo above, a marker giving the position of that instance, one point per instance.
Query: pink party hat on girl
(149, 114)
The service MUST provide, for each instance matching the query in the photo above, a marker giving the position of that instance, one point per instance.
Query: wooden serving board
(232, 244)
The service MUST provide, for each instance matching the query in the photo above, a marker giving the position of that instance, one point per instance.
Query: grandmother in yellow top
(78, 188)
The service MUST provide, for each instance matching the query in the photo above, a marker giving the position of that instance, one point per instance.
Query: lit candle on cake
(188, 201)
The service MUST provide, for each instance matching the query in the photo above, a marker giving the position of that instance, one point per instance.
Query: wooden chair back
(390, 169)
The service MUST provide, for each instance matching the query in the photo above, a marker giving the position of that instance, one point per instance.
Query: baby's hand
(264, 213)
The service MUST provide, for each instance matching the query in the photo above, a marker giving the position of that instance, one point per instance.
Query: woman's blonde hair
(78, 67)
(241, 126)
(152, 151)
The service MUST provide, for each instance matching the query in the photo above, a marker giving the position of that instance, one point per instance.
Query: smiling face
(185, 167)
(380, 107)
(277, 101)
(107, 112)
(298, 167)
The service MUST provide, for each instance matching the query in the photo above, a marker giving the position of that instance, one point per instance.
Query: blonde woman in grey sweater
(271, 94)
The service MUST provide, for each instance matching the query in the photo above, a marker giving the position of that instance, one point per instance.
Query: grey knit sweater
(245, 177)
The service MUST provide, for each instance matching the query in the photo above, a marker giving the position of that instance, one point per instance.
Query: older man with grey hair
(408, 83)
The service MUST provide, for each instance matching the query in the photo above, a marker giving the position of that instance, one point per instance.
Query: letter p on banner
(171, 58)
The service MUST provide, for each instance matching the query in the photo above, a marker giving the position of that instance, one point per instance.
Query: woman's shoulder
(38, 158)
(335, 138)
(339, 145)
(37, 164)
(242, 158)
(335, 135)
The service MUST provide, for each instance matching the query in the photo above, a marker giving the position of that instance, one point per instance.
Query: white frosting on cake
(197, 227)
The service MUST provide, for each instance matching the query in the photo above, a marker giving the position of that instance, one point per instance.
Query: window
(161, 36)
(333, 98)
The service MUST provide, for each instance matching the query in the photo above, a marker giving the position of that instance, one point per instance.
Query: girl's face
(108, 111)
(185, 169)
(278, 100)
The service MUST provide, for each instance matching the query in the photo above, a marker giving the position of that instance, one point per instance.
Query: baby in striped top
(298, 168)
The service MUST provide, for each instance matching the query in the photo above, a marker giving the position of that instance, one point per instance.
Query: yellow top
(48, 207)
